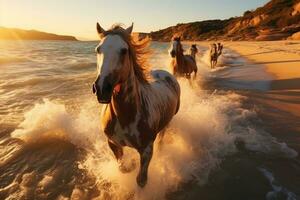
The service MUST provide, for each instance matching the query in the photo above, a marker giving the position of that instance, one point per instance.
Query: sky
(79, 17)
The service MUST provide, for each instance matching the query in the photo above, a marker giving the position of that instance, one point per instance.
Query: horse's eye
(123, 51)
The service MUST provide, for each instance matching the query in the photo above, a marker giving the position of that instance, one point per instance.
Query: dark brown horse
(220, 49)
(182, 65)
(138, 105)
(194, 51)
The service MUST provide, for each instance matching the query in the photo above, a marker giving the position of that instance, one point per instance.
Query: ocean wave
(200, 136)
(8, 60)
(81, 64)
(204, 132)
(29, 82)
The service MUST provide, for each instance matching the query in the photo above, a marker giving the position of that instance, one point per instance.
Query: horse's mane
(138, 51)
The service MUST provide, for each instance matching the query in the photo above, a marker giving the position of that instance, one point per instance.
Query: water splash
(199, 137)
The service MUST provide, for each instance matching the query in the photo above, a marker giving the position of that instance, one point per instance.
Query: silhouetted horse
(194, 51)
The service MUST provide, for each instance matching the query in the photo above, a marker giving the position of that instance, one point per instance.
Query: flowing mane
(138, 51)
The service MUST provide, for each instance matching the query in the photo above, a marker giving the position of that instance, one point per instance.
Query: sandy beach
(282, 60)
(279, 106)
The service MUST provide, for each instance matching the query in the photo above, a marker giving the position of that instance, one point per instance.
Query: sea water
(52, 145)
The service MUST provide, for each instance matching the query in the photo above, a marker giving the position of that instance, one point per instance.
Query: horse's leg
(145, 157)
(118, 152)
(195, 71)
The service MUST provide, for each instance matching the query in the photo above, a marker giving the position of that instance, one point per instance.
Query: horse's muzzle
(104, 94)
(173, 54)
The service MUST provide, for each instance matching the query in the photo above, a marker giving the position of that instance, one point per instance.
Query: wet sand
(282, 60)
(280, 106)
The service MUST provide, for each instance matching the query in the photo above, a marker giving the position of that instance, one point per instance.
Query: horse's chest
(122, 135)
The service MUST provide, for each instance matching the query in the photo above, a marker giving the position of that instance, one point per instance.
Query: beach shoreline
(279, 106)
(281, 59)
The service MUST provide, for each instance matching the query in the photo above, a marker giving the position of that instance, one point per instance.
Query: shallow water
(52, 146)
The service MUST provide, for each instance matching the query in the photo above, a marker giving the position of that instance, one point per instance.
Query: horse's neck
(193, 54)
(126, 103)
(214, 51)
(179, 56)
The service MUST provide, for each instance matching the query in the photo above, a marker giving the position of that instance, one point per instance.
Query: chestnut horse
(214, 54)
(215, 51)
(138, 105)
(182, 65)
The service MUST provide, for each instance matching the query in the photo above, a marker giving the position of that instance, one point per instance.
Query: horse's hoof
(141, 180)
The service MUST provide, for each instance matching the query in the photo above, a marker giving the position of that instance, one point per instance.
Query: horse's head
(194, 48)
(213, 47)
(175, 46)
(113, 62)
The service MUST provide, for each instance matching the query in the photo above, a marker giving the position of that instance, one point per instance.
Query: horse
(213, 55)
(220, 49)
(138, 104)
(193, 51)
(182, 65)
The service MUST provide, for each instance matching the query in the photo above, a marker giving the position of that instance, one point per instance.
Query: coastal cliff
(276, 20)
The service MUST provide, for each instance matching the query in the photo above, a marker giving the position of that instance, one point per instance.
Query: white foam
(197, 140)
(51, 119)
(278, 190)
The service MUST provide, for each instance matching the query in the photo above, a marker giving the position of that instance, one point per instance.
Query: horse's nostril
(94, 88)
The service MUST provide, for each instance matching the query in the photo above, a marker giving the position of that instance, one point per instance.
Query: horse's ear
(100, 30)
(129, 29)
